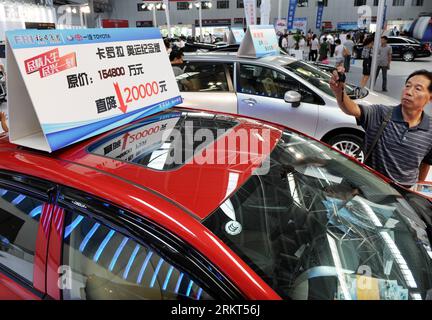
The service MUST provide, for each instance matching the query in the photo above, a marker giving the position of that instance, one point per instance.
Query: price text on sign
(138, 92)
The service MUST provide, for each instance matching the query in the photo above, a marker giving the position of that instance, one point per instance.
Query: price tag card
(259, 41)
(65, 86)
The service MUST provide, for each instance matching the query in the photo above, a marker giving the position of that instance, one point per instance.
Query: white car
(279, 89)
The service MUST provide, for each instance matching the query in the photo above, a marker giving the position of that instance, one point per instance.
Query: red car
(196, 205)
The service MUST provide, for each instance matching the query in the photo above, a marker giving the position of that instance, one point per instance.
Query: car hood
(377, 98)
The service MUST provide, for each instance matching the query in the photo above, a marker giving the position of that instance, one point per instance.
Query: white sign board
(68, 85)
(259, 41)
(234, 35)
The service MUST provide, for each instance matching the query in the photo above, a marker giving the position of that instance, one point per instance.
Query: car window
(203, 77)
(262, 81)
(317, 77)
(106, 264)
(19, 223)
(396, 41)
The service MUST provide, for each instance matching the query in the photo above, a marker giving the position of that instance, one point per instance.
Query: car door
(208, 85)
(25, 214)
(397, 46)
(260, 94)
(105, 252)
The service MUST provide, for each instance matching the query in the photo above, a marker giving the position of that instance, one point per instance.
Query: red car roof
(197, 188)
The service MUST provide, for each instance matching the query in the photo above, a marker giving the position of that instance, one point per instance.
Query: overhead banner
(385, 17)
(258, 42)
(291, 13)
(250, 12)
(69, 85)
(265, 12)
(320, 12)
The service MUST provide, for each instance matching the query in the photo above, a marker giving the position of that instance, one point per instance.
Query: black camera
(342, 77)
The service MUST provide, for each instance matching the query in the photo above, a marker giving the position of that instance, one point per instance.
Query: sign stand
(234, 36)
(259, 41)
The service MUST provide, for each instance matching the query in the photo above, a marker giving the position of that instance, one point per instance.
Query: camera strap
(379, 134)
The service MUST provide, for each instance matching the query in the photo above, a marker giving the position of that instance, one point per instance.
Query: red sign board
(115, 23)
(214, 22)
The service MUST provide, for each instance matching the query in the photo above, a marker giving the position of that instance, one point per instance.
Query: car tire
(408, 56)
(349, 144)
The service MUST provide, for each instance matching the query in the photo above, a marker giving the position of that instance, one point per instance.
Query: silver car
(279, 89)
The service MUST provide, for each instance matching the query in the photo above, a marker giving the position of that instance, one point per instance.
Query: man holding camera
(398, 139)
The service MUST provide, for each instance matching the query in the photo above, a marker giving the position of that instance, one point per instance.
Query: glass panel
(19, 223)
(317, 77)
(161, 142)
(105, 264)
(267, 82)
(199, 77)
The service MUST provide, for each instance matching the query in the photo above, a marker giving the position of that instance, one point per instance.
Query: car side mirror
(293, 97)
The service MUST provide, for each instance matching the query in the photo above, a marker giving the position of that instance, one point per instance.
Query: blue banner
(347, 26)
(19, 39)
(291, 13)
(320, 12)
(385, 16)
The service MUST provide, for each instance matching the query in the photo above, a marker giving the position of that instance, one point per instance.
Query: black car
(404, 48)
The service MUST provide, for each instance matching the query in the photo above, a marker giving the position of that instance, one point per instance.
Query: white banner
(166, 2)
(265, 12)
(250, 12)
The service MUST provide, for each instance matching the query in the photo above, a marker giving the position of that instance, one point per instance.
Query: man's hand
(3, 122)
(348, 106)
(335, 85)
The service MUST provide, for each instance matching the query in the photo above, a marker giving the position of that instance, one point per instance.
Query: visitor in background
(349, 45)
(367, 60)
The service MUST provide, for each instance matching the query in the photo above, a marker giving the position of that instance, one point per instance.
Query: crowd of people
(321, 48)
(341, 46)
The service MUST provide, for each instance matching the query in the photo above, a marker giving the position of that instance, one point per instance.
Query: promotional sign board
(234, 35)
(280, 26)
(259, 41)
(299, 24)
(69, 85)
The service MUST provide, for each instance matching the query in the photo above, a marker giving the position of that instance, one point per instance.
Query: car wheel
(408, 56)
(349, 144)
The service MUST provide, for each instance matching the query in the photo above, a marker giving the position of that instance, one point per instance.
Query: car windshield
(315, 225)
(320, 78)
